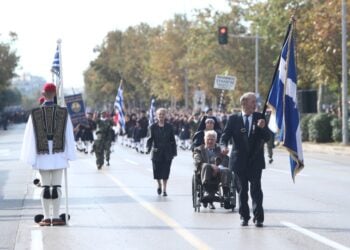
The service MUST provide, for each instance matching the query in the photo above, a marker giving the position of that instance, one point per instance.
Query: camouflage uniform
(97, 148)
(102, 145)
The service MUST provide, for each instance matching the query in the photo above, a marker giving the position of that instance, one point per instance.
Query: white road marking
(286, 172)
(37, 240)
(315, 236)
(132, 162)
(184, 233)
(36, 235)
(4, 152)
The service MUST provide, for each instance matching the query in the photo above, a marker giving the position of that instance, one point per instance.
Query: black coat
(162, 140)
(247, 153)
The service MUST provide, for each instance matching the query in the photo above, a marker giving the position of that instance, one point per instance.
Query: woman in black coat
(163, 145)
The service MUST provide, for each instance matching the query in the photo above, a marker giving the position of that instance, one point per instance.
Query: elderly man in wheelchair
(212, 180)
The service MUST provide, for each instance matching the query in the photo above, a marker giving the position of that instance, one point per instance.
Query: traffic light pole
(256, 37)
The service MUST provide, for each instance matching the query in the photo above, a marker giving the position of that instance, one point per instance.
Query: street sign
(225, 82)
(199, 100)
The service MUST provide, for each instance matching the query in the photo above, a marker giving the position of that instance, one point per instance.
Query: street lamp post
(344, 78)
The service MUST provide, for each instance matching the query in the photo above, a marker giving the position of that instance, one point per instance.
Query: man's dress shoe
(244, 223)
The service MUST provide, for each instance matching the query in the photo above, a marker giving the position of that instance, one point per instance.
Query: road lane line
(315, 236)
(184, 233)
(4, 152)
(132, 162)
(37, 240)
(285, 172)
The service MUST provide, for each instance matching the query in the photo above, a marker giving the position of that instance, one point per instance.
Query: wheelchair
(198, 191)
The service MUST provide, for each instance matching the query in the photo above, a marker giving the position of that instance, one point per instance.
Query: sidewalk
(329, 148)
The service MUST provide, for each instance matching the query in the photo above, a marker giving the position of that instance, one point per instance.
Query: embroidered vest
(49, 123)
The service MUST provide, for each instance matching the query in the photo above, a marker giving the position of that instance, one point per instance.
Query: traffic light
(223, 34)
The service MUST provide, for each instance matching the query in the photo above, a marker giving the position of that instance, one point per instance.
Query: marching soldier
(105, 129)
(97, 148)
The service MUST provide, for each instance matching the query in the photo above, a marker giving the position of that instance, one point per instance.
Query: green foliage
(320, 129)
(156, 61)
(10, 97)
(336, 129)
(8, 63)
(304, 126)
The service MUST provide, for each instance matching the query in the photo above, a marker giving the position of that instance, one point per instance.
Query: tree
(8, 64)
(166, 65)
(156, 61)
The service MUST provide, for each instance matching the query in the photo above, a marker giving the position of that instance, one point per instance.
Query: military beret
(49, 87)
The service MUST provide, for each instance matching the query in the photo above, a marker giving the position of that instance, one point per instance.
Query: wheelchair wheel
(195, 194)
(233, 195)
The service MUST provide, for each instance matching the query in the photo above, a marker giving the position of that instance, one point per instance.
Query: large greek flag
(282, 99)
(56, 69)
(119, 106)
(152, 113)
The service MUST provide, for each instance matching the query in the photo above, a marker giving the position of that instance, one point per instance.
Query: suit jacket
(200, 156)
(247, 153)
(162, 140)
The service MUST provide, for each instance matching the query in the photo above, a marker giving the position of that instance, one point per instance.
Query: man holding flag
(248, 132)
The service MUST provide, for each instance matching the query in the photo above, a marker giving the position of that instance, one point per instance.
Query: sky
(81, 25)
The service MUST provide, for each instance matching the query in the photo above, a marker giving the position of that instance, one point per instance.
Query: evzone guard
(48, 145)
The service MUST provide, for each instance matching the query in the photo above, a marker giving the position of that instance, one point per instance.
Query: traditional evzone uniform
(48, 144)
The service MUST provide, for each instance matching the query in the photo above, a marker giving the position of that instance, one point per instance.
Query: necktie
(246, 124)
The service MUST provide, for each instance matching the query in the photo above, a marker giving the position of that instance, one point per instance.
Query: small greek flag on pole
(56, 69)
(119, 106)
(152, 113)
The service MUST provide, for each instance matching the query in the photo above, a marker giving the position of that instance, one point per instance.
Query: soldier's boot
(56, 200)
(46, 204)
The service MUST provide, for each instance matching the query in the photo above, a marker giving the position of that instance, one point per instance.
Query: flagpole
(61, 102)
(120, 83)
(59, 41)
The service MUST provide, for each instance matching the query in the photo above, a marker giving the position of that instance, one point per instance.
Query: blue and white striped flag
(119, 106)
(56, 63)
(152, 113)
(282, 99)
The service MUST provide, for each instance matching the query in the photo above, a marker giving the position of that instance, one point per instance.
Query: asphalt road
(118, 208)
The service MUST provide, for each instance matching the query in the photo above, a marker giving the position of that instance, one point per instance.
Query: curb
(329, 148)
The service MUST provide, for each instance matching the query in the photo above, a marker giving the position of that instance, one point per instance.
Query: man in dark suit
(249, 133)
